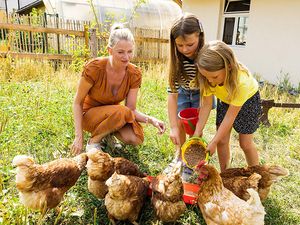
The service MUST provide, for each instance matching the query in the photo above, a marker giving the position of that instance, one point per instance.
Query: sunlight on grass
(36, 119)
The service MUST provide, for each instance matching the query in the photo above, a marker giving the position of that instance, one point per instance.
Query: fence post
(93, 42)
(57, 36)
(266, 106)
(45, 35)
(86, 40)
(31, 42)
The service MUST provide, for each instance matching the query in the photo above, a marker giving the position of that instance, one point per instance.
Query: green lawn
(36, 119)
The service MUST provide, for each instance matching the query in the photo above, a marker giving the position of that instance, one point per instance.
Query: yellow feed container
(193, 151)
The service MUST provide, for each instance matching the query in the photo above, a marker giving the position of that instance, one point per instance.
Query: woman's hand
(77, 146)
(175, 136)
(158, 124)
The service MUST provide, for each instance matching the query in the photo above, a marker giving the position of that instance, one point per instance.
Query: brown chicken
(101, 166)
(167, 192)
(219, 206)
(260, 178)
(125, 197)
(43, 186)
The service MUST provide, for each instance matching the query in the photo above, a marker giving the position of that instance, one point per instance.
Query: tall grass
(36, 119)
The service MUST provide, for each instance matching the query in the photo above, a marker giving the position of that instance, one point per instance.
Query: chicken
(42, 186)
(101, 166)
(259, 177)
(125, 197)
(167, 192)
(220, 206)
(239, 184)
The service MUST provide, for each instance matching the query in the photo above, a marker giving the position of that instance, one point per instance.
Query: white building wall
(208, 12)
(273, 45)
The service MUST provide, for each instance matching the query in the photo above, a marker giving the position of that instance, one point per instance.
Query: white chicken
(219, 206)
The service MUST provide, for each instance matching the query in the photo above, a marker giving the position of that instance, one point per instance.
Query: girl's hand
(159, 125)
(211, 147)
(198, 133)
(77, 146)
(175, 136)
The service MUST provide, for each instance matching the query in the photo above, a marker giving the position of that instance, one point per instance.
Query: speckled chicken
(260, 177)
(219, 206)
(125, 197)
(101, 166)
(42, 186)
(167, 192)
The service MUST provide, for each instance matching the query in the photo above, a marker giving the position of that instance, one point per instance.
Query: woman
(104, 84)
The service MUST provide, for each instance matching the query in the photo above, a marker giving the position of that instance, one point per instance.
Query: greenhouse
(72, 20)
(154, 14)
(151, 19)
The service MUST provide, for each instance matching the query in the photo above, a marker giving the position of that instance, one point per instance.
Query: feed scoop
(193, 151)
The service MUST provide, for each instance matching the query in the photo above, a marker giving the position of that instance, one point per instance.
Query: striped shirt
(191, 83)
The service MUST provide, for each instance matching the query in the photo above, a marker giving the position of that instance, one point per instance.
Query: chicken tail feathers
(81, 160)
(254, 199)
(22, 160)
(254, 179)
(95, 155)
(276, 172)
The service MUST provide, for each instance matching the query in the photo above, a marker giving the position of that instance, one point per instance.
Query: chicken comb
(201, 163)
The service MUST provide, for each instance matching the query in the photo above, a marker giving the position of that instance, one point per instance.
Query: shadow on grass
(131, 153)
(276, 215)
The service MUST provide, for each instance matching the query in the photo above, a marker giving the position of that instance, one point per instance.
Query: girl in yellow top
(239, 104)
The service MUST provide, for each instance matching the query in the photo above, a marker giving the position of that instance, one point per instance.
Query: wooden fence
(50, 37)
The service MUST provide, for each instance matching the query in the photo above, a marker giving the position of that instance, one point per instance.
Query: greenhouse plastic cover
(154, 14)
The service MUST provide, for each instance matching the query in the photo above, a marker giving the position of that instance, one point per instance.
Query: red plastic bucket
(189, 118)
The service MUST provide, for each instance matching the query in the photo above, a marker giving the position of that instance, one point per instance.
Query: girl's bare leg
(249, 148)
(182, 139)
(224, 152)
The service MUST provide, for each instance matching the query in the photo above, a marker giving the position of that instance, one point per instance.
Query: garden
(36, 119)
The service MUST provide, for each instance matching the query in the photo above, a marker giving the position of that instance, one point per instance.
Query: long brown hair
(214, 56)
(185, 25)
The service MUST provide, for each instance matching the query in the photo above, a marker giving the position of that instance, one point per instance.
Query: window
(236, 14)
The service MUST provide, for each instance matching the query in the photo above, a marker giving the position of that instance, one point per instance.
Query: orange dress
(102, 112)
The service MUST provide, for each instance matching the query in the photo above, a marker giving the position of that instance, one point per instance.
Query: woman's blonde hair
(214, 56)
(119, 32)
(185, 25)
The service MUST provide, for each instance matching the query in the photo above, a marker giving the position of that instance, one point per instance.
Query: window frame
(236, 15)
(234, 12)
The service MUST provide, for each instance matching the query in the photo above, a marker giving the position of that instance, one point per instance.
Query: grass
(36, 119)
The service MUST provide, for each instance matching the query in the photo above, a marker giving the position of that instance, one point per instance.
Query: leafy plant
(284, 81)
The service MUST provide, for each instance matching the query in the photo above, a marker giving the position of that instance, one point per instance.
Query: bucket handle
(191, 125)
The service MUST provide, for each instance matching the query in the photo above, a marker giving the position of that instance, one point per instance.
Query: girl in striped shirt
(186, 39)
